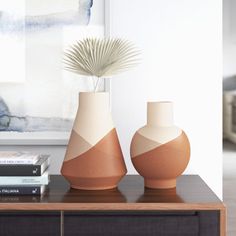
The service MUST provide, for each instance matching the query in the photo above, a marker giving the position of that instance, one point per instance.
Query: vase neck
(94, 101)
(160, 114)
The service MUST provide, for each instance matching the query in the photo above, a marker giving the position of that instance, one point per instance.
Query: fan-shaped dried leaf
(101, 57)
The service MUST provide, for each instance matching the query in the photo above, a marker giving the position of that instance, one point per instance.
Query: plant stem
(93, 78)
(97, 83)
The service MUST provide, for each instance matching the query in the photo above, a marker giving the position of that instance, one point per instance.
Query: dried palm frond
(100, 57)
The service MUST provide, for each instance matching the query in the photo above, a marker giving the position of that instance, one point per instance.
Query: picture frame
(54, 137)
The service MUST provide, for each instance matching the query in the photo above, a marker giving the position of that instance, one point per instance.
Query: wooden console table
(191, 209)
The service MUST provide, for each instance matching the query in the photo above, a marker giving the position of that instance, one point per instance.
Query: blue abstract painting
(10, 23)
(36, 94)
(10, 122)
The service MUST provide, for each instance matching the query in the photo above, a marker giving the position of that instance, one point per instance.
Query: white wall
(229, 38)
(181, 50)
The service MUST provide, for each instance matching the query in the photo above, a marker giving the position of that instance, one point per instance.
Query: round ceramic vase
(160, 151)
(93, 160)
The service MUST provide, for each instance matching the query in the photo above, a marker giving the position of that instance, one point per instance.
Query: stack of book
(23, 173)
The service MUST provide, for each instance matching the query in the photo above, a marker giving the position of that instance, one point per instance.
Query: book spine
(23, 170)
(32, 170)
(38, 180)
(16, 162)
(15, 190)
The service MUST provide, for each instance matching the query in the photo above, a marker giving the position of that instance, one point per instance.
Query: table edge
(110, 206)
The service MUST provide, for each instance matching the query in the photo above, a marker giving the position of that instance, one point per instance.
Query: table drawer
(30, 223)
(130, 224)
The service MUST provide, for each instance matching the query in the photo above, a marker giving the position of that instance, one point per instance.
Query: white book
(25, 180)
(18, 158)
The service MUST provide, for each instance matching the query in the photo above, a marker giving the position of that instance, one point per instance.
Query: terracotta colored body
(93, 159)
(160, 151)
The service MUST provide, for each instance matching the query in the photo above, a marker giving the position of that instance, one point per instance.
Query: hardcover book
(26, 170)
(22, 190)
(25, 180)
(18, 158)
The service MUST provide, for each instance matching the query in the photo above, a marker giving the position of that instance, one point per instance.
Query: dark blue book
(22, 190)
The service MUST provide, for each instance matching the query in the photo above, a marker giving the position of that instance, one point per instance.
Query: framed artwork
(38, 98)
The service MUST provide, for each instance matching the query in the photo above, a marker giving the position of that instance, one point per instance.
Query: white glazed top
(93, 120)
(160, 122)
(160, 113)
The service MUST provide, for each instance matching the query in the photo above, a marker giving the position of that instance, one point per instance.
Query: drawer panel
(95, 224)
(209, 222)
(30, 223)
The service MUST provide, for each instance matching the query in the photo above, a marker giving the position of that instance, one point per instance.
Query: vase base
(93, 183)
(93, 188)
(160, 183)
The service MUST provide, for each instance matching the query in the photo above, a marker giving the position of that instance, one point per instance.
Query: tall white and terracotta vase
(160, 151)
(93, 160)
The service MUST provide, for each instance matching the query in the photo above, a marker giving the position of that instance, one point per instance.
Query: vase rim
(159, 102)
(94, 92)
